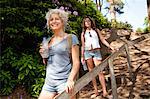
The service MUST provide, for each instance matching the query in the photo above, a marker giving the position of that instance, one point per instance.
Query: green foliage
(29, 68)
(7, 77)
(147, 25)
(147, 30)
(121, 25)
(7, 83)
(139, 30)
(22, 27)
(23, 70)
(146, 21)
(37, 86)
(101, 22)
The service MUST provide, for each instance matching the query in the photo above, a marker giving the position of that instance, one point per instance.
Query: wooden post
(129, 69)
(113, 79)
(128, 62)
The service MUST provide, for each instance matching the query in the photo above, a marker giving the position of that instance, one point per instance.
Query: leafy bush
(121, 25)
(7, 78)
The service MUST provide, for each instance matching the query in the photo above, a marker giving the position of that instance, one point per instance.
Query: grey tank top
(59, 62)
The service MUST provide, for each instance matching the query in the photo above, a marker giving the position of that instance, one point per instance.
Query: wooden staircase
(84, 80)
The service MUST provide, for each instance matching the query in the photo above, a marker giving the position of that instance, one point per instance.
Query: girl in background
(90, 51)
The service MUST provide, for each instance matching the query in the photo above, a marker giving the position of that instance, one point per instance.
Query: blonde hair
(61, 13)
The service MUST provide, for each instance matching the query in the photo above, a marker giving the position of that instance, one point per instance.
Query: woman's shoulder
(74, 39)
(82, 34)
(97, 30)
(72, 35)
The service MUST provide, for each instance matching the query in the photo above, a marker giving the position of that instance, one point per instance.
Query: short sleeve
(75, 40)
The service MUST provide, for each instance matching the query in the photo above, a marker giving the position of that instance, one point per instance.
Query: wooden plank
(141, 38)
(128, 62)
(113, 79)
(84, 80)
(117, 74)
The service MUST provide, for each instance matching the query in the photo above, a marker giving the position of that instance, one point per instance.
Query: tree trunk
(100, 5)
(85, 3)
(112, 12)
(96, 4)
(148, 10)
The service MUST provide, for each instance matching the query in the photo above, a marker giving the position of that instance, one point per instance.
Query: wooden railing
(84, 80)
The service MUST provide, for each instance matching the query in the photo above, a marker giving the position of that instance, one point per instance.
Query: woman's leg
(90, 65)
(46, 95)
(101, 77)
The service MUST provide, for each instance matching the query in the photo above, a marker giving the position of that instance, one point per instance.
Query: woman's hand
(82, 60)
(41, 51)
(113, 49)
(69, 86)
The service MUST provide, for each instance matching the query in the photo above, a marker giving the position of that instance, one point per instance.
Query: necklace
(89, 31)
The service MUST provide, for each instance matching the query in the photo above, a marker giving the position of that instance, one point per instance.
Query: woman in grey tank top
(60, 72)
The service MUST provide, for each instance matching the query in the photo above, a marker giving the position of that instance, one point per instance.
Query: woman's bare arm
(82, 42)
(74, 70)
(103, 40)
